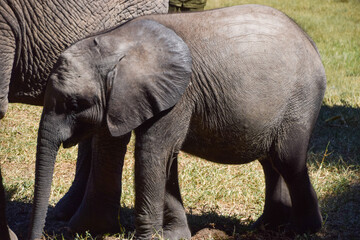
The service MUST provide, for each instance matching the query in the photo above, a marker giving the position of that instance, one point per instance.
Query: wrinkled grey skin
(253, 92)
(33, 33)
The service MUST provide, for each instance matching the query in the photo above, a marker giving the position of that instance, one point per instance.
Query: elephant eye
(72, 104)
(78, 104)
(84, 104)
(60, 108)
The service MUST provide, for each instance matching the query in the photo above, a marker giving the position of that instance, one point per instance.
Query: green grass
(231, 197)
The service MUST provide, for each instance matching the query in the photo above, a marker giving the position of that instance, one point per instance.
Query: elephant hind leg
(100, 206)
(290, 162)
(277, 209)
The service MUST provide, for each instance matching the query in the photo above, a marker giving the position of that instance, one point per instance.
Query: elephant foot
(96, 217)
(177, 233)
(307, 222)
(275, 222)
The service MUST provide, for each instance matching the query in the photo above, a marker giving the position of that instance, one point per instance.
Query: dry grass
(223, 197)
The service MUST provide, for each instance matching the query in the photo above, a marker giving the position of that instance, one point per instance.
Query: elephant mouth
(74, 140)
(69, 143)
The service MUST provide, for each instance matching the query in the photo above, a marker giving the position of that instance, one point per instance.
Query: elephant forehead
(75, 85)
(67, 80)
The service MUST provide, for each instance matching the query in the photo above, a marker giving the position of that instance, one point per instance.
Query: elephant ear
(151, 76)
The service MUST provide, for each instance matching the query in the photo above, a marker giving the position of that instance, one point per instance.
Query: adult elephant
(33, 33)
(230, 85)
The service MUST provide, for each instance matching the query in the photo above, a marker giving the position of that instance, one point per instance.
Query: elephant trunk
(47, 147)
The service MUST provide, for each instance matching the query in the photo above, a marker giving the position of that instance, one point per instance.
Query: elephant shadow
(341, 213)
(337, 131)
(337, 134)
(335, 143)
(19, 213)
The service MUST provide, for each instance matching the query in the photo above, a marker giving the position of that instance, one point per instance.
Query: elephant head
(115, 80)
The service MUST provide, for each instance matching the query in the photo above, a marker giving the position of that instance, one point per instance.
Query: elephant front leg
(175, 221)
(150, 180)
(99, 209)
(173, 224)
(70, 202)
(158, 205)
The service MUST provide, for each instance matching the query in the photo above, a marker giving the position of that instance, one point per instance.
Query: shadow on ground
(342, 214)
(341, 221)
(338, 129)
(337, 134)
(208, 225)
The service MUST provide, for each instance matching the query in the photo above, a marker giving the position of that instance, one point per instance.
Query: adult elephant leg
(4, 233)
(70, 202)
(290, 162)
(7, 53)
(175, 221)
(99, 209)
(277, 209)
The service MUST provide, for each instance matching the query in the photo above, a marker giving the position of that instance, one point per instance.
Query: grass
(231, 197)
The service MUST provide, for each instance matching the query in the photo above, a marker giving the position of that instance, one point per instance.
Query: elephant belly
(222, 148)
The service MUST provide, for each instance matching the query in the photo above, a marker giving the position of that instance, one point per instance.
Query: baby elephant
(229, 85)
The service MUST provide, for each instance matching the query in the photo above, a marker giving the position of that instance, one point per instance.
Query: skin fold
(231, 85)
(33, 33)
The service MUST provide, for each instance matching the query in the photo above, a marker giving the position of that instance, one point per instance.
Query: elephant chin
(69, 143)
